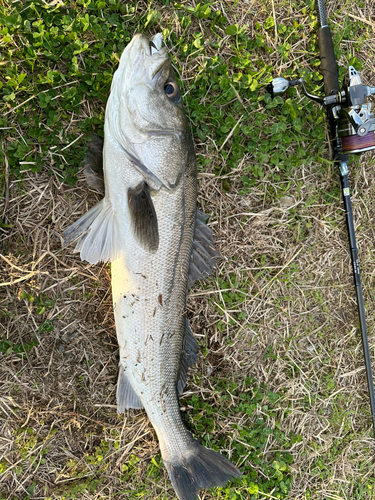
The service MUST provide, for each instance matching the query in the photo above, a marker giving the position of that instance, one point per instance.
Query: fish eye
(172, 91)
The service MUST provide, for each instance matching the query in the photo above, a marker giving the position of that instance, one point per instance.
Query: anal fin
(126, 396)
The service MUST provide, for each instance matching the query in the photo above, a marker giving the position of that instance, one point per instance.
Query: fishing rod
(352, 127)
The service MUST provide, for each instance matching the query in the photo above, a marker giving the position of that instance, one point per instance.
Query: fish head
(144, 112)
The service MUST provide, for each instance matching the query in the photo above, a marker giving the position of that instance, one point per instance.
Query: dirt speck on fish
(148, 226)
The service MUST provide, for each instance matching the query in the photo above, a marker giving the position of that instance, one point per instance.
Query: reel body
(355, 121)
(350, 108)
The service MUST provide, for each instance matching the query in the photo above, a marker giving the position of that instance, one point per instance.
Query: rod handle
(328, 61)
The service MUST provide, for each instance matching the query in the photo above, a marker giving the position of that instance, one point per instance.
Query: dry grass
(299, 307)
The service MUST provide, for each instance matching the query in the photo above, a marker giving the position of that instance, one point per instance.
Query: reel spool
(355, 121)
(356, 144)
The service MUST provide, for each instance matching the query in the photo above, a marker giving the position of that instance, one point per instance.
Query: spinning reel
(349, 109)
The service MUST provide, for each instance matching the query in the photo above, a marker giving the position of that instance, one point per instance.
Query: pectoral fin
(143, 217)
(97, 233)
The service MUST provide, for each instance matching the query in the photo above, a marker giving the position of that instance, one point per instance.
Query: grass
(280, 385)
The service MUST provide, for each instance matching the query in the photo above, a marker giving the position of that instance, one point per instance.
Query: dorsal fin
(204, 252)
(93, 163)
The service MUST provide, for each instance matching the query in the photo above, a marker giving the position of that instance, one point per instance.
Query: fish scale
(147, 225)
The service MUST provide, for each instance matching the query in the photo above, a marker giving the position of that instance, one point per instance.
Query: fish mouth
(150, 57)
(156, 44)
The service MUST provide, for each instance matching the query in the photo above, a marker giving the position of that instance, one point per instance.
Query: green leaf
(247, 130)
(6, 346)
(278, 127)
(204, 11)
(198, 43)
(253, 489)
(21, 77)
(289, 108)
(9, 97)
(46, 327)
(232, 29)
(49, 303)
(270, 23)
(254, 85)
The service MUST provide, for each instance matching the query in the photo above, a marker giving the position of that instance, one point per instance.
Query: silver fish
(147, 225)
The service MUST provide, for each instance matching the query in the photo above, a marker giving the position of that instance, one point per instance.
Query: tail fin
(201, 468)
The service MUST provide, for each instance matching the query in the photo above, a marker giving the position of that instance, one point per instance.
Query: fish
(149, 228)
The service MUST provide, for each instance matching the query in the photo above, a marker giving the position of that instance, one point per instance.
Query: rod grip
(328, 61)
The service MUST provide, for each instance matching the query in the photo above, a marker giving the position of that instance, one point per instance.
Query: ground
(280, 385)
